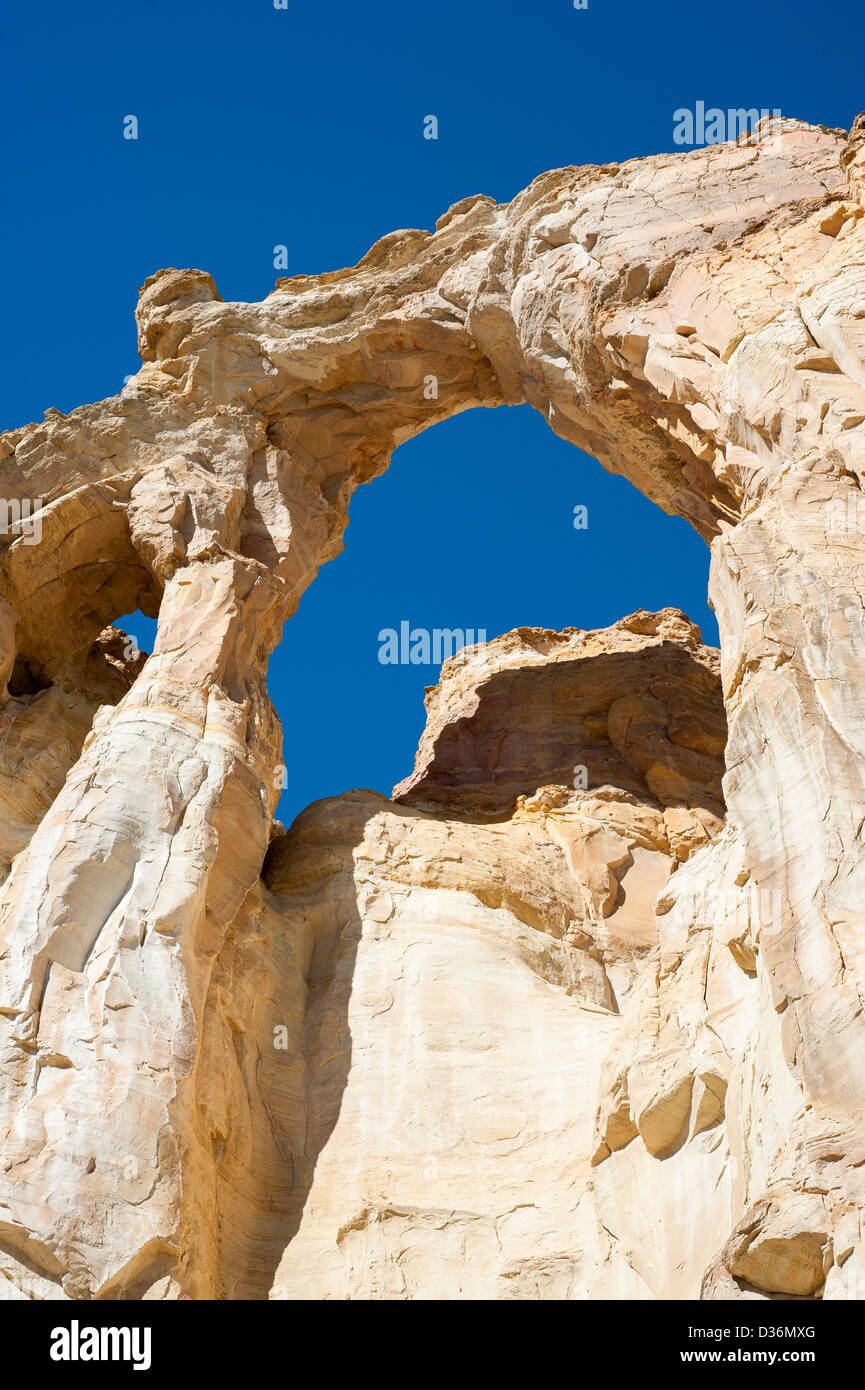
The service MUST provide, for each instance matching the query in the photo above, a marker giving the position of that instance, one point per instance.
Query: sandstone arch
(695, 322)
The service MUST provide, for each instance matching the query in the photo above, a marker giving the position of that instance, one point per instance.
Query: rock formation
(576, 1013)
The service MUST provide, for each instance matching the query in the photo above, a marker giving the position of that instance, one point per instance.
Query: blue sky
(303, 127)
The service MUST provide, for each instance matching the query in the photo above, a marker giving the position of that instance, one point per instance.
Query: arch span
(695, 322)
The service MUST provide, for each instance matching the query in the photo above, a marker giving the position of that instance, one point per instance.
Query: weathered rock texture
(515, 1033)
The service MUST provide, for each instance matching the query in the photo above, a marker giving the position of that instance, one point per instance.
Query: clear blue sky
(303, 127)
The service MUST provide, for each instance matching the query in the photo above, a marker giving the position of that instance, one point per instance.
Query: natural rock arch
(695, 322)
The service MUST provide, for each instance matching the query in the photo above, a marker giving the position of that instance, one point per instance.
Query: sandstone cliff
(577, 1013)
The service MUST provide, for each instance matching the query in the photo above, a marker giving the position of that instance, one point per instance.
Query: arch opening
(495, 543)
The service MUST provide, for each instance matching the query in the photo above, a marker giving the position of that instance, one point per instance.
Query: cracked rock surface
(577, 1012)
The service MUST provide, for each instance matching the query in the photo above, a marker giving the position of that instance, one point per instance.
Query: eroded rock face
(475, 971)
(661, 1023)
